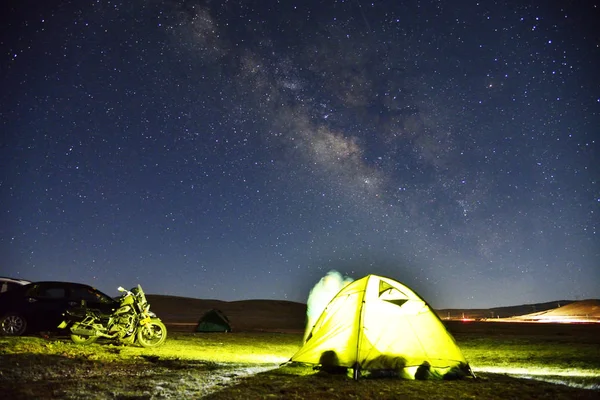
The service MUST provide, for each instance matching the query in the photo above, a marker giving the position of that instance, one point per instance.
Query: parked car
(39, 306)
(7, 284)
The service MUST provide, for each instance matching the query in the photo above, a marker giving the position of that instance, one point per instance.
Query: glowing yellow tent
(378, 324)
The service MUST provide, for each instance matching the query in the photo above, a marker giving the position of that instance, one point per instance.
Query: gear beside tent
(376, 325)
(213, 321)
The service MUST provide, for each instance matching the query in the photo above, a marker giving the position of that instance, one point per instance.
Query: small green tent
(213, 321)
(378, 324)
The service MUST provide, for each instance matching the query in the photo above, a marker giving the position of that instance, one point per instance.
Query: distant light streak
(579, 378)
(533, 371)
(551, 320)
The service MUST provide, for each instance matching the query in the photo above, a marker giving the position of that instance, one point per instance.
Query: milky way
(241, 150)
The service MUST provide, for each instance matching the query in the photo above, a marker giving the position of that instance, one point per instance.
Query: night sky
(240, 150)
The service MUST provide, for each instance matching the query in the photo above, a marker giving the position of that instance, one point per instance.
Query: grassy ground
(516, 362)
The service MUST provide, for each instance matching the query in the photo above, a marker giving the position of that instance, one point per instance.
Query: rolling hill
(183, 313)
(500, 312)
(578, 311)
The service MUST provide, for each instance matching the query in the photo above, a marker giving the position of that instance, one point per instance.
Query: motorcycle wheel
(83, 340)
(152, 334)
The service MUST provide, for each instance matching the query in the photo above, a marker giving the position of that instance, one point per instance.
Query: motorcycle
(132, 322)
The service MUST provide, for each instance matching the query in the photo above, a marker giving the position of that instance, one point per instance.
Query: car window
(89, 294)
(51, 292)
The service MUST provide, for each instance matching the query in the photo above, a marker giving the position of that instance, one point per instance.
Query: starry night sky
(242, 149)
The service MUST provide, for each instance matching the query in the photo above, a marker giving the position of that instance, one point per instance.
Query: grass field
(517, 361)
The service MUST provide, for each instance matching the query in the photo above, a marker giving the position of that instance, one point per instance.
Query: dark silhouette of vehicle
(39, 306)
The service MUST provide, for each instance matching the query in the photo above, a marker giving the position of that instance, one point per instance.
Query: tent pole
(356, 366)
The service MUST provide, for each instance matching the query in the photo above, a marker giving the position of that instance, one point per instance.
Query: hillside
(578, 311)
(500, 312)
(183, 313)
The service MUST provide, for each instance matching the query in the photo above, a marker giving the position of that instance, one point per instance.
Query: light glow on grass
(532, 371)
(255, 349)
